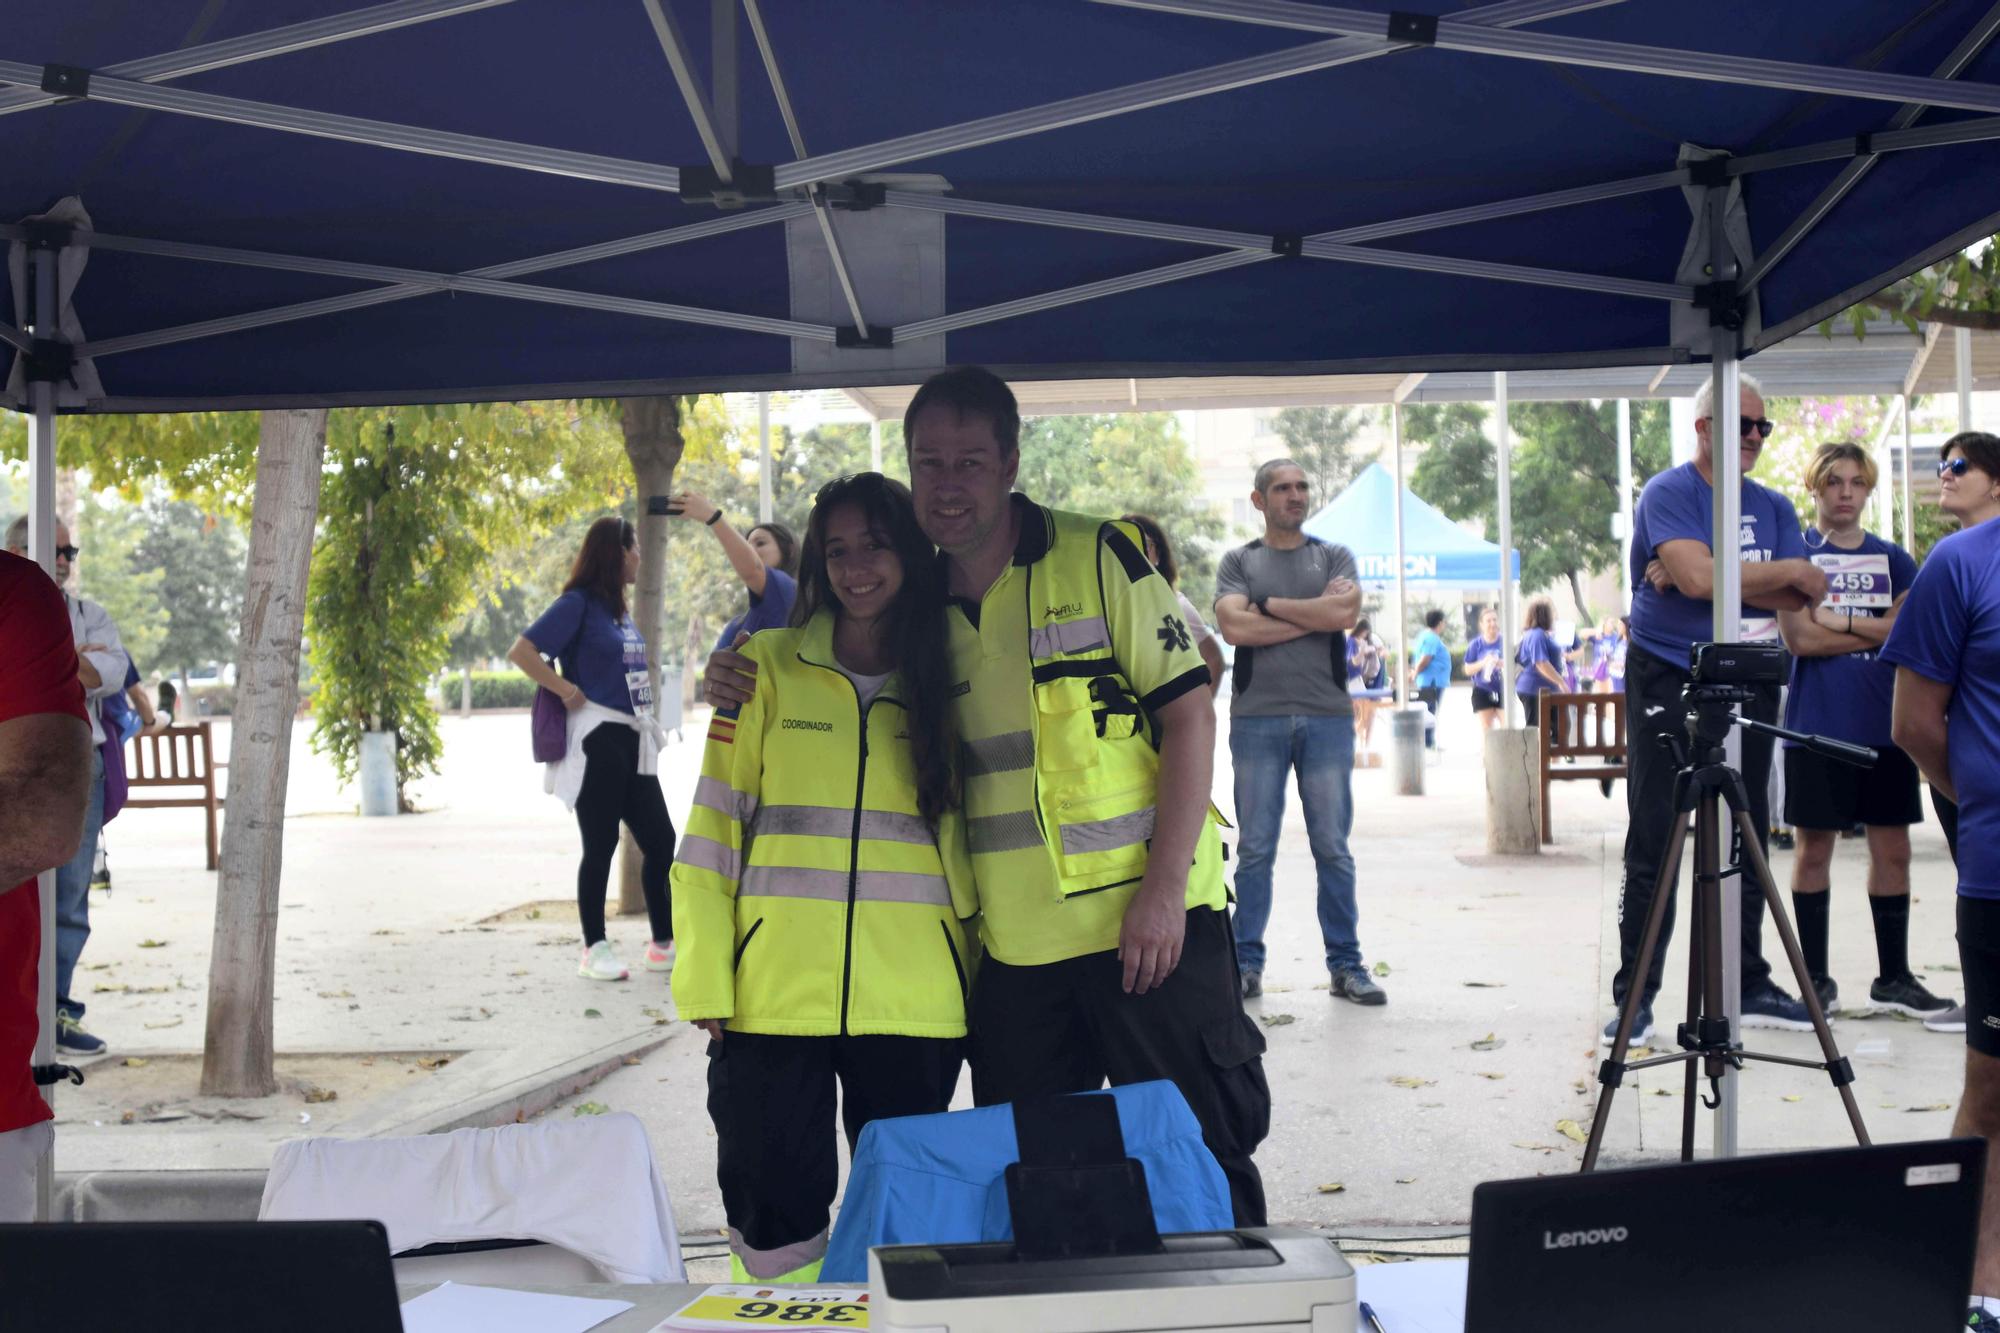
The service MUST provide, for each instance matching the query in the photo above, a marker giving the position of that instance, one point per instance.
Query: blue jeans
(73, 891)
(1321, 749)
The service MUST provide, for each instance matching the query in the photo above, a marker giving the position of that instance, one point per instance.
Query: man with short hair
(1946, 716)
(1672, 610)
(1086, 751)
(1430, 674)
(44, 785)
(1286, 601)
(101, 666)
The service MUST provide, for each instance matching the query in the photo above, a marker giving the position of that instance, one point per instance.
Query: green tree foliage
(1135, 462)
(1565, 478)
(199, 558)
(1320, 440)
(416, 504)
(111, 533)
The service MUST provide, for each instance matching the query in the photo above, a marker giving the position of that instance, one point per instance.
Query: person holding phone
(766, 561)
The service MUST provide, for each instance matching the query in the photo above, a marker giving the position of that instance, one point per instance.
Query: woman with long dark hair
(608, 774)
(821, 888)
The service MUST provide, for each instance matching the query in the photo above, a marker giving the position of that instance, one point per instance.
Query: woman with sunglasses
(820, 889)
(1841, 688)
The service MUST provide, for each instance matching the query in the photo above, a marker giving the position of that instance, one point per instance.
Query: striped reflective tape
(708, 854)
(1009, 752)
(1104, 835)
(717, 795)
(1011, 832)
(876, 886)
(1068, 636)
(836, 821)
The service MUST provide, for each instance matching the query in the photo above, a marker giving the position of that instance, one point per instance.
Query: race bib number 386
(811, 1309)
(1856, 580)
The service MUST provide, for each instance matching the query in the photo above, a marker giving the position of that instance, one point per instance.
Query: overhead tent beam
(668, 29)
(1090, 291)
(261, 45)
(1140, 96)
(408, 283)
(821, 212)
(1850, 176)
(99, 87)
(1631, 58)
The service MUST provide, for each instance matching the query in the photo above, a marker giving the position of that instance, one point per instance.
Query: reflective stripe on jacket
(810, 897)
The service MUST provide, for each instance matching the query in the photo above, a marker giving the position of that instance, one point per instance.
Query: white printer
(1253, 1280)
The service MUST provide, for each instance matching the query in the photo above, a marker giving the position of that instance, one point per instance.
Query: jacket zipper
(854, 856)
(964, 991)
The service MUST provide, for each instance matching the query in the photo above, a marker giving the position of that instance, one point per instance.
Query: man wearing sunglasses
(100, 665)
(1672, 596)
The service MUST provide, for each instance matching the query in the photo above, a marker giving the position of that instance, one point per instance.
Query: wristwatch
(713, 519)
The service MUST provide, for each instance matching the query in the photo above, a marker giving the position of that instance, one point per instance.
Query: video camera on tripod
(1722, 675)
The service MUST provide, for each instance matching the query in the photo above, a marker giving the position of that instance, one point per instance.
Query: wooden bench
(1580, 728)
(178, 757)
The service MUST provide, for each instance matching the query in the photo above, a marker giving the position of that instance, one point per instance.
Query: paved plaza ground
(426, 978)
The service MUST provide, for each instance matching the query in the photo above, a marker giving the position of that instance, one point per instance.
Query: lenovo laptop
(220, 1277)
(1854, 1240)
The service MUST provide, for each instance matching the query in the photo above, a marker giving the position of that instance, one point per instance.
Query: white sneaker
(600, 963)
(659, 957)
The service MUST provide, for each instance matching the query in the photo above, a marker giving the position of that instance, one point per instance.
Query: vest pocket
(1066, 737)
(1104, 838)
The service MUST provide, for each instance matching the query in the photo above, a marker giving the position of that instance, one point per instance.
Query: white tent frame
(805, 183)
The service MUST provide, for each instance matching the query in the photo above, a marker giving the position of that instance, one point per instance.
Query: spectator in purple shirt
(767, 561)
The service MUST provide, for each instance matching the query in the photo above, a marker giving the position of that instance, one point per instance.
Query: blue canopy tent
(1437, 552)
(301, 202)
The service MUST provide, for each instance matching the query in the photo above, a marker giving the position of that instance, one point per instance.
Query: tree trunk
(237, 1051)
(653, 444)
(1576, 591)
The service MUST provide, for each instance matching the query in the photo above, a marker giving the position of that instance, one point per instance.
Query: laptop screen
(116, 1277)
(1855, 1240)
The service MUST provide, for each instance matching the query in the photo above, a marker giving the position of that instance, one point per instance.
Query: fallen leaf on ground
(95, 967)
(592, 1013)
(1533, 1147)
(1275, 1020)
(1411, 1081)
(1941, 967)
(433, 1061)
(590, 1108)
(336, 995)
(152, 944)
(1406, 1180)
(315, 1095)
(170, 1023)
(231, 1113)
(1381, 969)
(1485, 1074)
(1333, 1187)
(518, 972)
(635, 1060)
(1489, 1042)
(650, 1012)
(1638, 1052)
(1935, 1106)
(135, 1062)
(130, 1117)
(1793, 1097)
(1569, 1129)
(385, 931)
(1663, 1092)
(1486, 985)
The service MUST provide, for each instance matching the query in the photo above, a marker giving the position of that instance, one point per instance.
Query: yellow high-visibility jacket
(810, 897)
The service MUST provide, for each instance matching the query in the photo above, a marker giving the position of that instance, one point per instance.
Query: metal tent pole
(874, 445)
(1962, 355)
(1503, 442)
(764, 514)
(42, 550)
(1909, 503)
(1725, 435)
(1396, 681)
(1625, 502)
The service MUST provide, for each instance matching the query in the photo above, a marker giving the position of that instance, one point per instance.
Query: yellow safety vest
(1062, 808)
(810, 897)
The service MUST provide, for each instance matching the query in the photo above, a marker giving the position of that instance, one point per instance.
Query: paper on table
(451, 1308)
(1424, 1296)
(768, 1306)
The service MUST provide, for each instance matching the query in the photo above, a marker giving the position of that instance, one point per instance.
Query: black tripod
(1705, 781)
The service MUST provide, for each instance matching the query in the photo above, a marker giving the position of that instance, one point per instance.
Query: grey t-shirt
(1309, 674)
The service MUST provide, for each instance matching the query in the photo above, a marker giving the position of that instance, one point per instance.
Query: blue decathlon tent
(1437, 553)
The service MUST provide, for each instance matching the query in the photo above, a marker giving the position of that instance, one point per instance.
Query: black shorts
(1827, 794)
(1979, 957)
(1482, 700)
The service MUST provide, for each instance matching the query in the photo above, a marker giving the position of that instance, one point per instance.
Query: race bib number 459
(1856, 580)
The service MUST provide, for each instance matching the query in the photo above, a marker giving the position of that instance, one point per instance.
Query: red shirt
(37, 675)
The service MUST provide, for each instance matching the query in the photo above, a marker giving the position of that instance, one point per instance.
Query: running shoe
(1906, 995)
(1768, 1006)
(1828, 991)
(659, 957)
(1642, 1027)
(600, 963)
(1253, 984)
(71, 1037)
(1951, 1020)
(1354, 983)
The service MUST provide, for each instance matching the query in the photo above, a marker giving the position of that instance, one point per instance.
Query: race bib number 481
(1860, 580)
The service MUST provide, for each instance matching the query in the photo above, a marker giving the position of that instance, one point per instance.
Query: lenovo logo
(1570, 1240)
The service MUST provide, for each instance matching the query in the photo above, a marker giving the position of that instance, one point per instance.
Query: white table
(1426, 1296)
